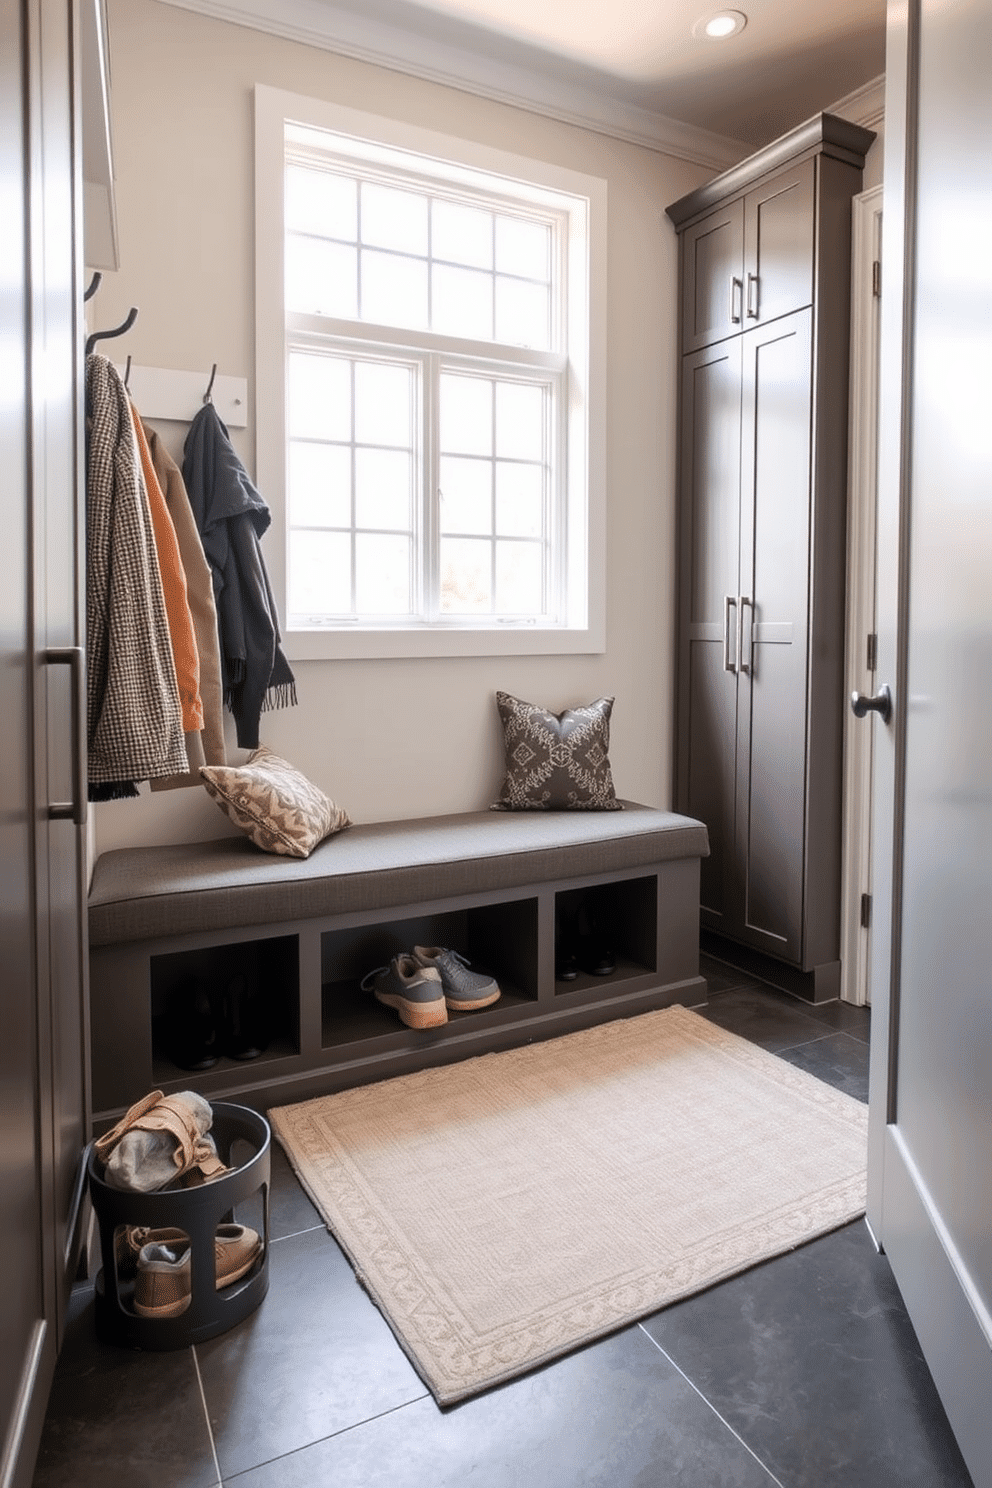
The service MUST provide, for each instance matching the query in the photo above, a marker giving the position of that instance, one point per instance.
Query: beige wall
(394, 738)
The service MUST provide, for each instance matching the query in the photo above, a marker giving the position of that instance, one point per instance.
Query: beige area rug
(505, 1210)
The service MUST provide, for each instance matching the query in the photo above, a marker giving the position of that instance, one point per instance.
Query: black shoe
(566, 966)
(596, 955)
(597, 958)
(191, 1027)
(244, 1033)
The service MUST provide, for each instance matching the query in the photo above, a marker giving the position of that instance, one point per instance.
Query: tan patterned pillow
(556, 761)
(280, 809)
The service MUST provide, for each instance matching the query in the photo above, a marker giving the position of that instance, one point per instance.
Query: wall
(391, 739)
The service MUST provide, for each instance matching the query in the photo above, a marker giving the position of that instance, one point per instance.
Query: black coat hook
(126, 325)
(213, 373)
(94, 285)
(127, 370)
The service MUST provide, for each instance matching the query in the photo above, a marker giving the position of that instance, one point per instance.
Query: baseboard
(821, 984)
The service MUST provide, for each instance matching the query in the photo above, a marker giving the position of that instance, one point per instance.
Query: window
(428, 418)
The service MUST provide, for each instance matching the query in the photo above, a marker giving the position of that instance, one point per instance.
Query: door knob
(881, 703)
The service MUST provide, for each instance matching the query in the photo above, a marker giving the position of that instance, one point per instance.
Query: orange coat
(181, 634)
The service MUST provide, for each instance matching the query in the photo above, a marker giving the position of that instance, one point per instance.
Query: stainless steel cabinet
(765, 305)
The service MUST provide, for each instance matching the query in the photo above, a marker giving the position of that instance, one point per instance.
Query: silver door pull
(74, 658)
(881, 703)
(729, 603)
(742, 664)
(736, 298)
(752, 299)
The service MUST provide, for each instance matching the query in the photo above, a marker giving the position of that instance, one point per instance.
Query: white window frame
(582, 549)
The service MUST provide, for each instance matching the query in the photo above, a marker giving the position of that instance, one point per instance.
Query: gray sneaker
(464, 990)
(415, 991)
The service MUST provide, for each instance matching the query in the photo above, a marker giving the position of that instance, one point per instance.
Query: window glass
(319, 485)
(393, 219)
(318, 201)
(462, 235)
(466, 415)
(432, 436)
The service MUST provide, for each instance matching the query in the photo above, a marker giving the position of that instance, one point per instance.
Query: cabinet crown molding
(825, 134)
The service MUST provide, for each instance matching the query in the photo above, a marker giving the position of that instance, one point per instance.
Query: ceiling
(630, 68)
(793, 58)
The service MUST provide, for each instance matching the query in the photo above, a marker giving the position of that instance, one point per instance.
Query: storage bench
(303, 933)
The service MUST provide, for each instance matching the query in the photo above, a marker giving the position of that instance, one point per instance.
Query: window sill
(513, 640)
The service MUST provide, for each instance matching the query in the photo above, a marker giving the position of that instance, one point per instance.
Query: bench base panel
(322, 1033)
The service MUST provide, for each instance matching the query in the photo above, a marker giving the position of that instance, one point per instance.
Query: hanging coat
(231, 517)
(207, 747)
(174, 589)
(134, 725)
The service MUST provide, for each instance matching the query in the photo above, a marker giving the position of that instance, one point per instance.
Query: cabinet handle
(729, 603)
(752, 297)
(742, 665)
(736, 299)
(74, 810)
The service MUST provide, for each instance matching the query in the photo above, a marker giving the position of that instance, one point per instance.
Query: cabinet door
(710, 544)
(712, 277)
(772, 712)
(27, 1345)
(779, 219)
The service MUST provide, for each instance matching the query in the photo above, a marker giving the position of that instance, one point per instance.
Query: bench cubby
(302, 934)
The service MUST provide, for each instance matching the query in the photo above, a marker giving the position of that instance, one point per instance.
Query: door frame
(856, 870)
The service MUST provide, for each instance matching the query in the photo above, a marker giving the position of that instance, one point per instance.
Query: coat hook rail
(206, 397)
(93, 286)
(126, 325)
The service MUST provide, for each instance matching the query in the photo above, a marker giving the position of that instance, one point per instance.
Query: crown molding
(865, 106)
(506, 73)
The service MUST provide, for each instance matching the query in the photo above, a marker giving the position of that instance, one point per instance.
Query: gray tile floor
(803, 1372)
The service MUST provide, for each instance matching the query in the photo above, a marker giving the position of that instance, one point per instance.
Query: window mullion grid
(492, 497)
(353, 433)
(556, 530)
(430, 487)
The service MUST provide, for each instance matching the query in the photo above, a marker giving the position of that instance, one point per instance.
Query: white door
(930, 1161)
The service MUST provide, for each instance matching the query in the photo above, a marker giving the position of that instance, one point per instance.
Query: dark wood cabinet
(44, 1116)
(765, 253)
(751, 260)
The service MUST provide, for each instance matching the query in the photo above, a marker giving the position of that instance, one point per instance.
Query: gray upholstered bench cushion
(146, 893)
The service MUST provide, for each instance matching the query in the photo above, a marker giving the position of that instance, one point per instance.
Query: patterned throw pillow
(280, 809)
(556, 761)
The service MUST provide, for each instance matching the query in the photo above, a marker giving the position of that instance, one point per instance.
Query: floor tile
(839, 1059)
(772, 1019)
(812, 1359)
(842, 1016)
(614, 1415)
(290, 1211)
(119, 1411)
(315, 1358)
(720, 976)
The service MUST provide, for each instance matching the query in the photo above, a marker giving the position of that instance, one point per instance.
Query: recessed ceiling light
(719, 26)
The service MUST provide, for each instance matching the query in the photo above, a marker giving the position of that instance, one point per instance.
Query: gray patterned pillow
(556, 761)
(280, 809)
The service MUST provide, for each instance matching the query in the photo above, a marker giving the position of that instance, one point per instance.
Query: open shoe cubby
(324, 1033)
(621, 916)
(498, 939)
(248, 991)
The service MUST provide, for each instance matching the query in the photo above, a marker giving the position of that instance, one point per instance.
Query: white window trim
(586, 451)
